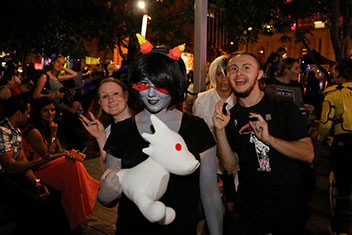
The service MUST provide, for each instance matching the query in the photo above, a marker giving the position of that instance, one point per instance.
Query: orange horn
(175, 53)
(144, 45)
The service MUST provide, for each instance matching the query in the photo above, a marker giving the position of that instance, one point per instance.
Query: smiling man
(269, 136)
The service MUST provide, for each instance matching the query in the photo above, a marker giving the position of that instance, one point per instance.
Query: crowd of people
(252, 131)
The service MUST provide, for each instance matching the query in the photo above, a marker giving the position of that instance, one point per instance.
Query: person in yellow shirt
(336, 120)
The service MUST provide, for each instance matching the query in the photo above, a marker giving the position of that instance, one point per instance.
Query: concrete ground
(103, 219)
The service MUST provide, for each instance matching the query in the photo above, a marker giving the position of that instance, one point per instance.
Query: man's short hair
(286, 63)
(282, 49)
(344, 67)
(237, 53)
(15, 103)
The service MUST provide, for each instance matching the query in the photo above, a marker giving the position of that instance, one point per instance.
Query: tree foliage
(246, 19)
(52, 27)
(62, 27)
(43, 26)
(171, 22)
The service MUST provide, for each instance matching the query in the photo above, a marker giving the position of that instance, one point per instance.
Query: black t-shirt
(72, 119)
(269, 182)
(69, 97)
(183, 194)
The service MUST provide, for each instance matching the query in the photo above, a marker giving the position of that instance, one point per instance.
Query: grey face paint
(154, 100)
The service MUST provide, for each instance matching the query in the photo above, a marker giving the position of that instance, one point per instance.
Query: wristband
(53, 140)
(41, 190)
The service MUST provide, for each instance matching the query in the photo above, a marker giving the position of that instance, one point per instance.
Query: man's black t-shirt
(270, 186)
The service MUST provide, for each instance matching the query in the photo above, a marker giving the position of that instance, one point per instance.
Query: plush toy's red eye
(178, 147)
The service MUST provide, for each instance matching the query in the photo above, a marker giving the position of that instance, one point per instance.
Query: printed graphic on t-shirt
(289, 94)
(261, 149)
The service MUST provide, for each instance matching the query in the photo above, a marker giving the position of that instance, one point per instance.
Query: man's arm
(28, 173)
(22, 165)
(209, 191)
(225, 152)
(301, 149)
(326, 121)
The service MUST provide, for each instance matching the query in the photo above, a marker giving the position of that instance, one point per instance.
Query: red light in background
(293, 27)
(38, 66)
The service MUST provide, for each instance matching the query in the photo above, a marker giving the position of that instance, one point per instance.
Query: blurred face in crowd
(12, 82)
(294, 71)
(222, 82)
(23, 117)
(112, 98)
(58, 64)
(152, 97)
(276, 59)
(337, 78)
(47, 113)
(281, 53)
(243, 73)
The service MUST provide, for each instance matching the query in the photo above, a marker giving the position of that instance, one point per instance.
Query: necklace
(259, 98)
(255, 102)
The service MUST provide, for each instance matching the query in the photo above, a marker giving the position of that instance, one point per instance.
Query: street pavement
(103, 219)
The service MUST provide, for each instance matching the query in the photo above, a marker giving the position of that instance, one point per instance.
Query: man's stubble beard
(245, 93)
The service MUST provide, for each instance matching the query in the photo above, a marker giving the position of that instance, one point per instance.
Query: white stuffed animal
(147, 182)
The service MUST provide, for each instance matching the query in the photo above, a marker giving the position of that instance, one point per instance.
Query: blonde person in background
(204, 107)
(112, 97)
(49, 83)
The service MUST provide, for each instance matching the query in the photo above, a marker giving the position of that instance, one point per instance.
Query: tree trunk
(340, 41)
(334, 29)
(132, 48)
(347, 27)
(119, 45)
